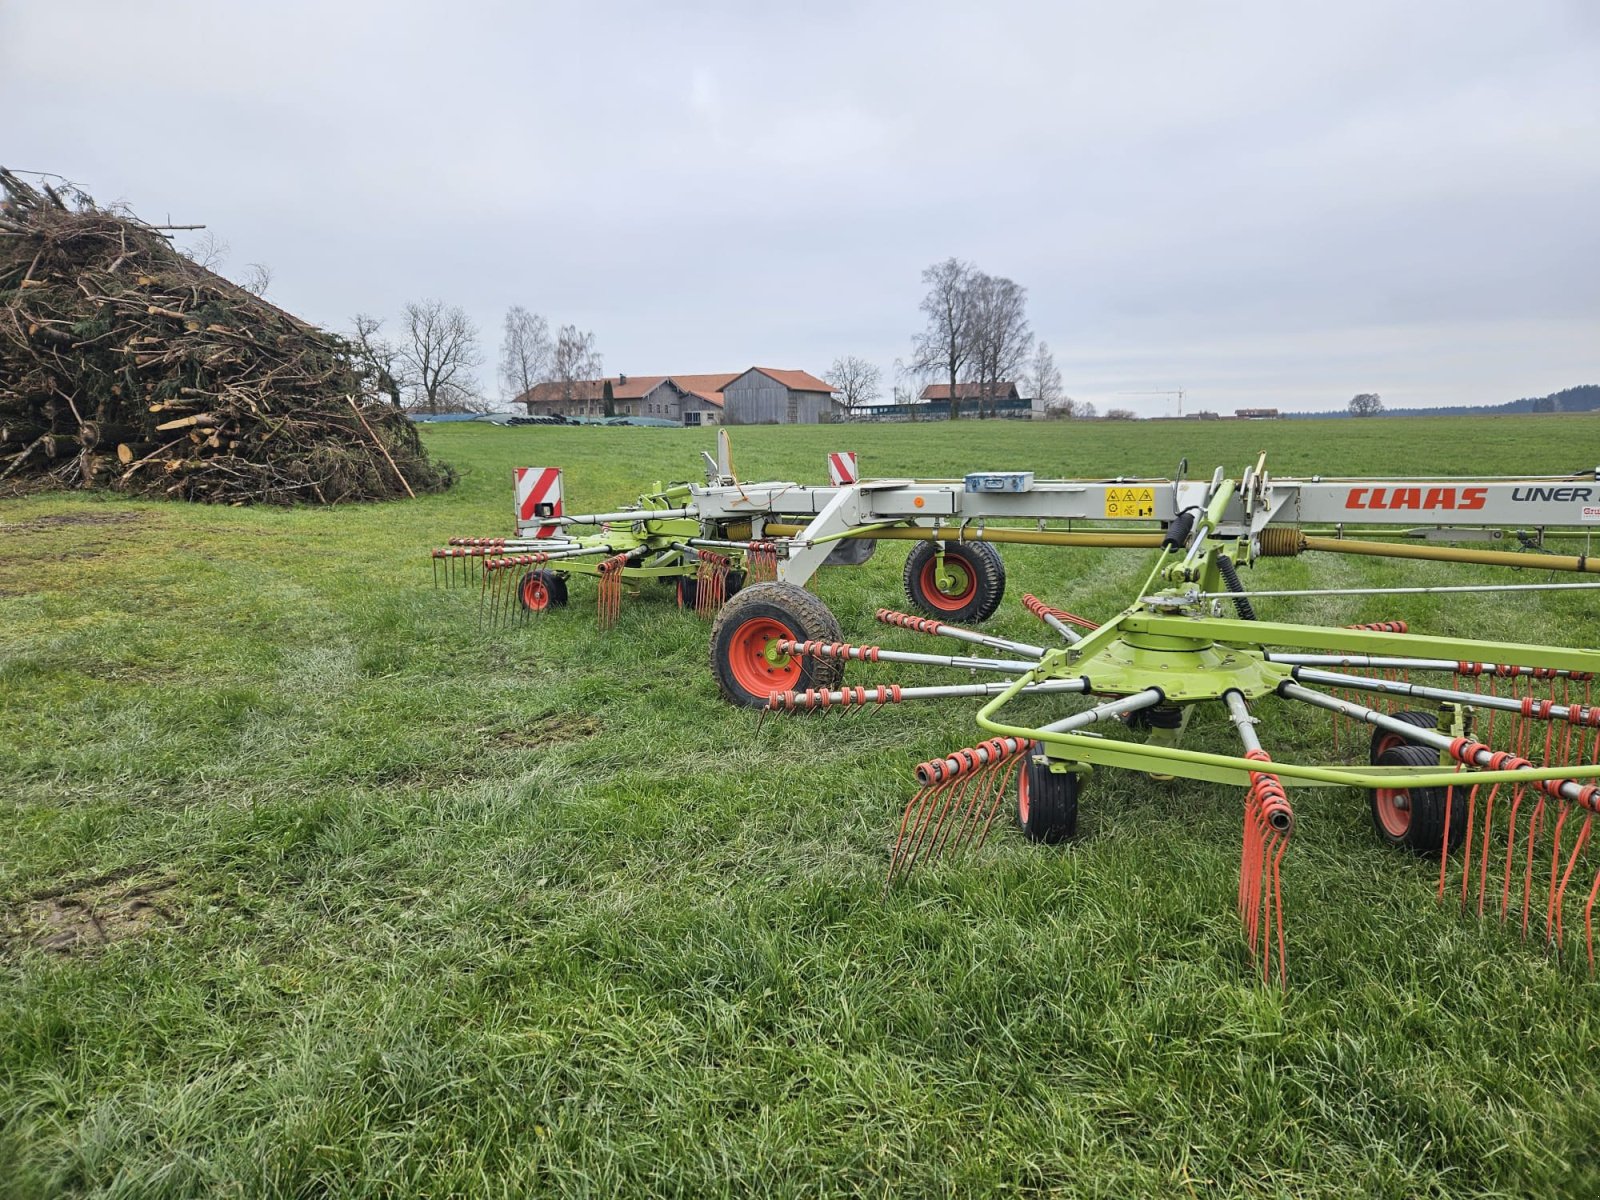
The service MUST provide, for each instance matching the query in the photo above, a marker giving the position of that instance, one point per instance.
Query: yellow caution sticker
(1129, 502)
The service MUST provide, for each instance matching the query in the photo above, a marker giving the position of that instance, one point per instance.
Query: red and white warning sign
(842, 468)
(538, 499)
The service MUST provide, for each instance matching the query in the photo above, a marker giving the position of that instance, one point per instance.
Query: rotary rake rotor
(662, 537)
(1480, 753)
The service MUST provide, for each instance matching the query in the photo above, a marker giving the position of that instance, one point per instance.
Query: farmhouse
(759, 395)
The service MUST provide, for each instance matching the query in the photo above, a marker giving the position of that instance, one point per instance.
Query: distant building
(1256, 414)
(700, 398)
(767, 396)
(940, 392)
(760, 395)
(687, 399)
(1006, 400)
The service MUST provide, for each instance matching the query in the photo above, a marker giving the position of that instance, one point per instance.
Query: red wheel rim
(948, 601)
(535, 596)
(1394, 819)
(1024, 804)
(749, 665)
(1388, 742)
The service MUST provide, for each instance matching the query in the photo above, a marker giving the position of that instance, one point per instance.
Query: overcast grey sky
(1261, 202)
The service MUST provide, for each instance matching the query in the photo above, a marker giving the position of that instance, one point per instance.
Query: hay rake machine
(1434, 709)
(703, 541)
(710, 541)
(1518, 818)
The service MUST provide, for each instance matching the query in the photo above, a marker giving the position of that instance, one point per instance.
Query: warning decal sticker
(1130, 502)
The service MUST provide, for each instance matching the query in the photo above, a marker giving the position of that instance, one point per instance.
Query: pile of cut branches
(126, 365)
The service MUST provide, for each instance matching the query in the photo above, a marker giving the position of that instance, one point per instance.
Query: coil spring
(1281, 541)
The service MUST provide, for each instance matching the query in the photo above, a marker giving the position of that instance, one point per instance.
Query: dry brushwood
(125, 365)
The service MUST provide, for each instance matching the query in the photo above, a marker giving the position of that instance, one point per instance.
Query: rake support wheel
(744, 657)
(1047, 803)
(1382, 740)
(1413, 818)
(968, 588)
(540, 590)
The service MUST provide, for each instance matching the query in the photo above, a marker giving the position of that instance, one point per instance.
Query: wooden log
(150, 457)
(24, 454)
(98, 434)
(93, 468)
(204, 418)
(129, 452)
(16, 432)
(49, 334)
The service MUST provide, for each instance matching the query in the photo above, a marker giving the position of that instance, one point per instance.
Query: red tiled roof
(968, 391)
(636, 387)
(706, 387)
(798, 381)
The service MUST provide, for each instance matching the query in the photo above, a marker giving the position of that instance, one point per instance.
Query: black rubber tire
(802, 617)
(988, 576)
(1383, 740)
(1230, 576)
(1424, 825)
(1047, 803)
(553, 584)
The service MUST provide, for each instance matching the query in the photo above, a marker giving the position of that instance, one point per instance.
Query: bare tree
(208, 251)
(439, 352)
(1121, 414)
(1065, 408)
(909, 384)
(855, 381)
(257, 279)
(574, 359)
(377, 357)
(524, 352)
(1367, 404)
(944, 347)
(1045, 379)
(999, 334)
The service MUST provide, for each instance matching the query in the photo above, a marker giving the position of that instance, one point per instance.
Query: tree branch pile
(125, 365)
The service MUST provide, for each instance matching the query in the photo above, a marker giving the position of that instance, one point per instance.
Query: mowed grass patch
(435, 911)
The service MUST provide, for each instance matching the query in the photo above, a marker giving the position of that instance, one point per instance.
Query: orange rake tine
(930, 829)
(974, 801)
(1007, 780)
(1588, 920)
(983, 814)
(1561, 893)
(925, 798)
(929, 797)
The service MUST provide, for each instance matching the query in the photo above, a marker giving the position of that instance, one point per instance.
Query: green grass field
(309, 888)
